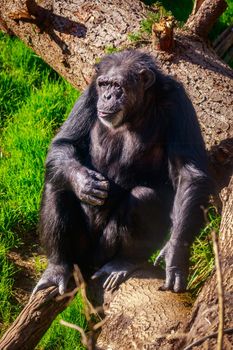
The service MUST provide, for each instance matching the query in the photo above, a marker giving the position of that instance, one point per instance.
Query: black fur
(129, 157)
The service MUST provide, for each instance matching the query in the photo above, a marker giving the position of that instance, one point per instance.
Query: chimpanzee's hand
(90, 186)
(54, 275)
(176, 256)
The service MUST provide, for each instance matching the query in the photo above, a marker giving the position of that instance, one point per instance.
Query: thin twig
(88, 340)
(70, 294)
(99, 324)
(220, 292)
(88, 307)
(212, 335)
(77, 328)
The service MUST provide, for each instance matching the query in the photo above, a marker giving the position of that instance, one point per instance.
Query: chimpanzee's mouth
(107, 114)
(111, 119)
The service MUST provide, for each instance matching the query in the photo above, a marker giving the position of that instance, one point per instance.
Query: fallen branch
(34, 320)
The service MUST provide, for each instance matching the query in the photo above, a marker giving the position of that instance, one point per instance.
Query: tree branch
(201, 21)
(34, 320)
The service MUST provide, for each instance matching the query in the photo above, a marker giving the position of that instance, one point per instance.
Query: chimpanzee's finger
(97, 175)
(108, 281)
(120, 277)
(42, 285)
(99, 193)
(102, 185)
(98, 274)
(62, 286)
(92, 200)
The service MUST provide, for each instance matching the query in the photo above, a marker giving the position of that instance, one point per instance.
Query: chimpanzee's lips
(108, 114)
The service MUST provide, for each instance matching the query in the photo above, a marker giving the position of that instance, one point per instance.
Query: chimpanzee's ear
(148, 77)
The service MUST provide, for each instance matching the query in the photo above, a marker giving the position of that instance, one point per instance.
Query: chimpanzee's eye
(102, 83)
(116, 85)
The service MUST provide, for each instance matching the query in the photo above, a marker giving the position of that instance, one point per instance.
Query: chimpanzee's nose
(107, 96)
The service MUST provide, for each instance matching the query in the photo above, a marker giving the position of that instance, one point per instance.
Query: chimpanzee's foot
(54, 275)
(118, 271)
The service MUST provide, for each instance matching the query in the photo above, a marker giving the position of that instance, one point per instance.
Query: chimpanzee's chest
(126, 158)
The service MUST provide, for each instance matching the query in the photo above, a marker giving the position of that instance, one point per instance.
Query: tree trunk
(71, 36)
(76, 32)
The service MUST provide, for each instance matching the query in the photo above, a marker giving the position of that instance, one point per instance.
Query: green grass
(34, 101)
(202, 256)
(179, 8)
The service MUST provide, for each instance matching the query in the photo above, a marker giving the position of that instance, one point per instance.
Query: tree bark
(34, 320)
(77, 32)
(204, 320)
(73, 35)
(203, 19)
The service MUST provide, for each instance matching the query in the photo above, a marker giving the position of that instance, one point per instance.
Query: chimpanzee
(128, 165)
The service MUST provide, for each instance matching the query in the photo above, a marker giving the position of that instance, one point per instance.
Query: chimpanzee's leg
(134, 231)
(64, 236)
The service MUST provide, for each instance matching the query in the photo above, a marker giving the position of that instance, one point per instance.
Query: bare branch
(88, 340)
(213, 335)
(77, 328)
(34, 320)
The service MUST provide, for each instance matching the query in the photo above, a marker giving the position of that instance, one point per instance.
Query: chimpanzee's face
(112, 98)
(120, 94)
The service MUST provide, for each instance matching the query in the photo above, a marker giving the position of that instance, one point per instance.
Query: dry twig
(88, 339)
(220, 292)
(213, 335)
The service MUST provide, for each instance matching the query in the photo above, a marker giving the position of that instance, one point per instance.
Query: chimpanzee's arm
(67, 165)
(67, 168)
(65, 153)
(188, 172)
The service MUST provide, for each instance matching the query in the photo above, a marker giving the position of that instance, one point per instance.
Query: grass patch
(144, 33)
(180, 9)
(34, 101)
(202, 256)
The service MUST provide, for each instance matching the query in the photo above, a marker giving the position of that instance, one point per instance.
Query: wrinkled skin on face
(119, 93)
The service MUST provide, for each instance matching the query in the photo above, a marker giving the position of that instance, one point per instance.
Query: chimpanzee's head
(122, 81)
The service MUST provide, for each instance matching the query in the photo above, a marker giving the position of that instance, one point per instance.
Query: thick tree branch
(202, 20)
(34, 320)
